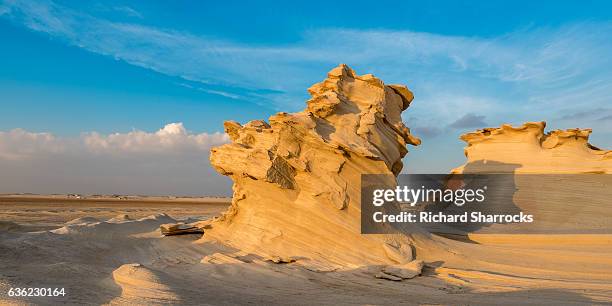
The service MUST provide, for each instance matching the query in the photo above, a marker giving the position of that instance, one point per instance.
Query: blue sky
(73, 69)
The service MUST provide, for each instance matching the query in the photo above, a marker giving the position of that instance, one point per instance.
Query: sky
(127, 97)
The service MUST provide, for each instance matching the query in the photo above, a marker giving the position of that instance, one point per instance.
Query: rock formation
(566, 189)
(297, 178)
(527, 149)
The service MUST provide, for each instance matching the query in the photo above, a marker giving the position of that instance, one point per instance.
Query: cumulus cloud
(170, 139)
(171, 160)
(18, 144)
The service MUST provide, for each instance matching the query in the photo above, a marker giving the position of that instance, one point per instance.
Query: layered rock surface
(527, 149)
(558, 177)
(297, 178)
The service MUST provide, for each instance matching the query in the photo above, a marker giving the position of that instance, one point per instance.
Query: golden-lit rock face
(527, 149)
(558, 177)
(297, 179)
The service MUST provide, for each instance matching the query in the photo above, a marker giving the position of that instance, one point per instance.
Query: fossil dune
(533, 151)
(297, 179)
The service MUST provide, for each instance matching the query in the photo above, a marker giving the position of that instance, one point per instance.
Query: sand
(129, 262)
(48, 212)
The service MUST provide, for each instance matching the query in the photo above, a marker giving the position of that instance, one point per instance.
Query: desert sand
(291, 234)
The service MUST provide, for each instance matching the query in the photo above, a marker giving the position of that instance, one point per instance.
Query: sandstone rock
(280, 260)
(384, 275)
(403, 254)
(316, 266)
(180, 229)
(527, 149)
(297, 178)
(204, 224)
(219, 258)
(405, 271)
(569, 171)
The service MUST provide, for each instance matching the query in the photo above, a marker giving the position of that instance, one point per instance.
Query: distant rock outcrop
(297, 179)
(527, 149)
(557, 177)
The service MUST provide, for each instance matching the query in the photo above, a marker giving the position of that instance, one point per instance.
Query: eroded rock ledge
(528, 149)
(297, 178)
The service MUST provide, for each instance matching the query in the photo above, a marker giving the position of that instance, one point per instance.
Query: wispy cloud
(129, 11)
(538, 66)
(212, 91)
(587, 114)
(607, 118)
(464, 123)
(469, 121)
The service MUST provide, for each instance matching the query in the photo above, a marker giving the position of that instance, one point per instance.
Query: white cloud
(171, 139)
(18, 144)
(171, 160)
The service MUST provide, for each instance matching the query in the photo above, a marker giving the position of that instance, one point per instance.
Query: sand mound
(120, 218)
(83, 220)
(143, 284)
(82, 256)
(297, 179)
(101, 270)
(101, 229)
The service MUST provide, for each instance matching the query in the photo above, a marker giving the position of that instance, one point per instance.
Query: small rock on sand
(401, 255)
(384, 275)
(403, 271)
(281, 260)
(179, 229)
